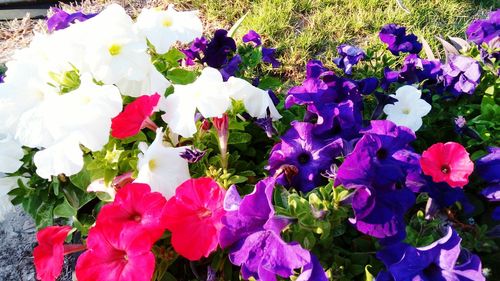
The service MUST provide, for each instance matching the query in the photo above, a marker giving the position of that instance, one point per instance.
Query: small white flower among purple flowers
(409, 109)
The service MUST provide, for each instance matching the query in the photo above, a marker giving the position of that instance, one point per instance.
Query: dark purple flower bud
(211, 274)
(461, 75)
(231, 67)
(218, 50)
(267, 125)
(349, 57)
(61, 19)
(269, 56)
(193, 155)
(398, 41)
(480, 31)
(2, 78)
(460, 123)
(252, 36)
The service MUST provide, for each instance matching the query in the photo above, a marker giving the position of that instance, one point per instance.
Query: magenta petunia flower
(447, 162)
(116, 253)
(135, 117)
(194, 215)
(139, 208)
(49, 254)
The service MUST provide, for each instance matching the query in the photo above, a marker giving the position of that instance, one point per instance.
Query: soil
(17, 240)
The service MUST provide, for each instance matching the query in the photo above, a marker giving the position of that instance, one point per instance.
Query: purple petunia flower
(349, 57)
(269, 56)
(218, 49)
(198, 46)
(379, 157)
(397, 41)
(193, 155)
(309, 155)
(484, 30)
(252, 230)
(266, 124)
(415, 70)
(333, 103)
(2, 78)
(61, 19)
(252, 36)
(488, 168)
(441, 260)
(461, 75)
(231, 67)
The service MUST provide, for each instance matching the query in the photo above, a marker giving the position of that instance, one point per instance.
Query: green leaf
(181, 76)
(239, 137)
(81, 180)
(64, 210)
(173, 56)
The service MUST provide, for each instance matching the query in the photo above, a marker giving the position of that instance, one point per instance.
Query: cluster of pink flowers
(120, 242)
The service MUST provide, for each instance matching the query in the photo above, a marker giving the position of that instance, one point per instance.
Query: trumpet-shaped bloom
(447, 162)
(253, 232)
(217, 50)
(308, 154)
(49, 254)
(397, 41)
(116, 253)
(10, 154)
(461, 75)
(164, 28)
(113, 51)
(138, 208)
(134, 117)
(194, 217)
(161, 166)
(349, 57)
(257, 101)
(441, 260)
(207, 94)
(409, 108)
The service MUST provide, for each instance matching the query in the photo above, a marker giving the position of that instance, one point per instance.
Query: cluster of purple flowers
(220, 52)
(333, 119)
(485, 30)
(253, 232)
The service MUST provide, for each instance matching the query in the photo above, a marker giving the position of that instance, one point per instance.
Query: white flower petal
(64, 157)
(10, 154)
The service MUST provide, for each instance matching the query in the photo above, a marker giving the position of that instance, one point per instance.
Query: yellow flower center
(406, 111)
(152, 164)
(115, 49)
(167, 22)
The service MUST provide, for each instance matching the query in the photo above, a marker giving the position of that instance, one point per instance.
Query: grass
(306, 29)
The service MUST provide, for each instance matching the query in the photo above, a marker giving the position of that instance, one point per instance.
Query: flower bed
(158, 154)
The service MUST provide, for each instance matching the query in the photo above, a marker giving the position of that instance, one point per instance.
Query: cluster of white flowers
(61, 93)
(211, 96)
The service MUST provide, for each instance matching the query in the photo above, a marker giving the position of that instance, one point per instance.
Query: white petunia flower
(10, 154)
(161, 166)
(113, 50)
(256, 101)
(409, 109)
(164, 28)
(208, 95)
(154, 82)
(64, 157)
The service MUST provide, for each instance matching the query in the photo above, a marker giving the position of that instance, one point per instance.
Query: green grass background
(306, 29)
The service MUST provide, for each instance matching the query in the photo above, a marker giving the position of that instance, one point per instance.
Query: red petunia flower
(116, 253)
(194, 215)
(448, 162)
(49, 254)
(137, 206)
(135, 117)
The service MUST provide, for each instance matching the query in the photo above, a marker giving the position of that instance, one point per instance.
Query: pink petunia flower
(448, 162)
(194, 215)
(138, 207)
(116, 253)
(135, 117)
(49, 254)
